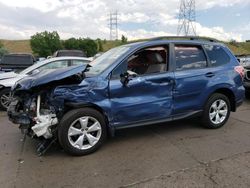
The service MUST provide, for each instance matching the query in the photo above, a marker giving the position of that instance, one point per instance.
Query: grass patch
(23, 46)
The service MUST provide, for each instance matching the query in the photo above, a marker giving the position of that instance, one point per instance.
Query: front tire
(82, 131)
(216, 112)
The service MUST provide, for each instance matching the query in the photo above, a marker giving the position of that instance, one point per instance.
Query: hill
(239, 48)
(18, 46)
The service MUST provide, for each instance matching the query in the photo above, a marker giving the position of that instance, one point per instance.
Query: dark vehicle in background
(136, 84)
(16, 62)
(75, 53)
(245, 62)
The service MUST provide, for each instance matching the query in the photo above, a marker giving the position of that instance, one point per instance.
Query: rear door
(191, 78)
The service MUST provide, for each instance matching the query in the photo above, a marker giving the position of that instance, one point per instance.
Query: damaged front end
(36, 109)
(35, 117)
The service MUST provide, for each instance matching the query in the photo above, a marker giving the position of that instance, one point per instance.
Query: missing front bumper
(17, 117)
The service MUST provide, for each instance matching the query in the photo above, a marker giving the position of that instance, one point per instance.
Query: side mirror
(126, 77)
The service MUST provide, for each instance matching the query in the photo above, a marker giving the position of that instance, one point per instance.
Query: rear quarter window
(217, 55)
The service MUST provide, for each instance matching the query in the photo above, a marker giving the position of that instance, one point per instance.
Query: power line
(113, 25)
(187, 18)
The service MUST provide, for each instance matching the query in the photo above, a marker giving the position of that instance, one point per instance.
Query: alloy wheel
(84, 133)
(218, 111)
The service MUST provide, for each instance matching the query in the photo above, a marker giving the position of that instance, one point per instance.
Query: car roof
(67, 58)
(69, 51)
(43, 62)
(18, 54)
(160, 42)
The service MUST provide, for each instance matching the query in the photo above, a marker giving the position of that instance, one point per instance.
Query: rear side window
(189, 57)
(78, 62)
(54, 65)
(217, 55)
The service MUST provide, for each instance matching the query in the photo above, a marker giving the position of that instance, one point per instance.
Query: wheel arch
(228, 93)
(71, 106)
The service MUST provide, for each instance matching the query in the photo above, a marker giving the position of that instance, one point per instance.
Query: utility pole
(113, 25)
(187, 18)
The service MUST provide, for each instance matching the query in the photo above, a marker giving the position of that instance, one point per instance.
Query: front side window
(189, 57)
(217, 55)
(146, 61)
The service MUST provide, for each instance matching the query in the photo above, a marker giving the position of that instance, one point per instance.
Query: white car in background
(7, 80)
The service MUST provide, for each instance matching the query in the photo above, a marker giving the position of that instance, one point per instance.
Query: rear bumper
(239, 97)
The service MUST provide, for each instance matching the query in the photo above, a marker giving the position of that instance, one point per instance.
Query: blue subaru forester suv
(136, 84)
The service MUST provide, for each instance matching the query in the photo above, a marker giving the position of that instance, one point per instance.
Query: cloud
(214, 32)
(136, 17)
(223, 3)
(142, 34)
(84, 18)
(218, 33)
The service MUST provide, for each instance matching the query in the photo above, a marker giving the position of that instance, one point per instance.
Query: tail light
(240, 70)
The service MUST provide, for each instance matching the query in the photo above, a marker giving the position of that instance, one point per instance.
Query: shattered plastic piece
(21, 161)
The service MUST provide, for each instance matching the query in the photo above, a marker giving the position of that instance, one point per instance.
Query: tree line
(46, 43)
(3, 50)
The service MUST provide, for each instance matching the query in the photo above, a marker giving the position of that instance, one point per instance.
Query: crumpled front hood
(48, 76)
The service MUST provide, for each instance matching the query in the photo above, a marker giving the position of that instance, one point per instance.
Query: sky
(222, 19)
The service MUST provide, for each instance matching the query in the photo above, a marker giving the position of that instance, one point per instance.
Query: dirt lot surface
(178, 154)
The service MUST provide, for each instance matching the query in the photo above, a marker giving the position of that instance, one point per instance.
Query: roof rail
(184, 37)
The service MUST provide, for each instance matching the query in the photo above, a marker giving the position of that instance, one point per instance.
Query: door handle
(167, 81)
(209, 74)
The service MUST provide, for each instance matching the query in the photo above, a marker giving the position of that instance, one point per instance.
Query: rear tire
(216, 111)
(82, 131)
(5, 98)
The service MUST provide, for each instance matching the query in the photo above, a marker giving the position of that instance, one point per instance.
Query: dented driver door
(145, 98)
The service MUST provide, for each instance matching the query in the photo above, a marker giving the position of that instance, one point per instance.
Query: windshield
(105, 60)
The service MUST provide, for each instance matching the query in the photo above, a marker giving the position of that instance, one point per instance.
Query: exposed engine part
(43, 122)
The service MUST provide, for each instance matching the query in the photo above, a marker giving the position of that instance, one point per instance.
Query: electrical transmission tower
(113, 25)
(187, 18)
